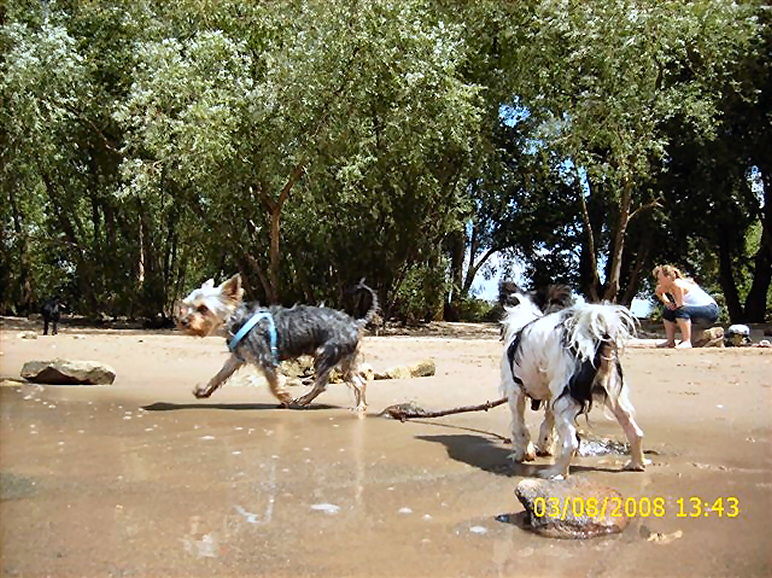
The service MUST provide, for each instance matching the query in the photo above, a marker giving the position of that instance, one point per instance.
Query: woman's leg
(670, 331)
(685, 325)
(668, 318)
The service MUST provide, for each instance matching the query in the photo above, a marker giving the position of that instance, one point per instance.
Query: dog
(267, 336)
(51, 314)
(566, 359)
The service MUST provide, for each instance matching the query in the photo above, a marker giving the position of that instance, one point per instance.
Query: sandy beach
(142, 479)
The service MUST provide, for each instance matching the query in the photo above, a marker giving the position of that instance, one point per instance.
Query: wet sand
(142, 479)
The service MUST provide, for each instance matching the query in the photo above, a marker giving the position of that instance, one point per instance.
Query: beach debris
(574, 509)
(659, 537)
(404, 411)
(326, 508)
(68, 372)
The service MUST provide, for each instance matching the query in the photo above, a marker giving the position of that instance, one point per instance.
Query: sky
(488, 289)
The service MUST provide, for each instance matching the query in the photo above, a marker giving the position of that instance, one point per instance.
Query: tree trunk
(589, 257)
(634, 280)
(275, 207)
(756, 300)
(728, 286)
(615, 268)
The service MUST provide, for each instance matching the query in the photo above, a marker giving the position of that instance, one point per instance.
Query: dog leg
(565, 411)
(522, 448)
(358, 384)
(623, 411)
(276, 385)
(546, 444)
(320, 384)
(229, 368)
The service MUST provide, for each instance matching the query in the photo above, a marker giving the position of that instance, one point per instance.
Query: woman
(685, 302)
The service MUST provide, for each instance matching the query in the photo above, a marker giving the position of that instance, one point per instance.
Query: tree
(263, 126)
(605, 77)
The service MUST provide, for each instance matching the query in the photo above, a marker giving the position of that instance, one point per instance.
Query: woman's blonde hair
(668, 271)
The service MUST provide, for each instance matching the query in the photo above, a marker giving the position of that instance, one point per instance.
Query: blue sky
(488, 289)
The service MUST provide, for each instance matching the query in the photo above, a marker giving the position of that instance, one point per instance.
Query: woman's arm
(662, 294)
(678, 290)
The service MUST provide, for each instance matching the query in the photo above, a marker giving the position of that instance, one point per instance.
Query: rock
(28, 335)
(574, 509)
(425, 368)
(398, 411)
(11, 383)
(711, 337)
(68, 372)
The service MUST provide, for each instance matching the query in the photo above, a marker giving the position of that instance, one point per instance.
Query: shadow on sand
(490, 456)
(165, 406)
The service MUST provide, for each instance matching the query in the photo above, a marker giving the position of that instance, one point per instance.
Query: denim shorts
(704, 314)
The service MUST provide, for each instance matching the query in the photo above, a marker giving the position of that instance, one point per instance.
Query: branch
(650, 205)
(403, 411)
(474, 268)
(109, 145)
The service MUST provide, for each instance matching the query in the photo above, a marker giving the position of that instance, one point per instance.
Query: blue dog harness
(249, 325)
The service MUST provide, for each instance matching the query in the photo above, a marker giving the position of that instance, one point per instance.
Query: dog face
(206, 309)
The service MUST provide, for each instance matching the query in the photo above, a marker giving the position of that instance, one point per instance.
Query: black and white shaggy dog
(266, 336)
(565, 359)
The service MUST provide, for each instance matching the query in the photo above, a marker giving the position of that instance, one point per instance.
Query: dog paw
(527, 455)
(636, 466)
(201, 392)
(544, 451)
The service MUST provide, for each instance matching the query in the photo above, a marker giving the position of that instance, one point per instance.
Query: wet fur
(332, 337)
(565, 359)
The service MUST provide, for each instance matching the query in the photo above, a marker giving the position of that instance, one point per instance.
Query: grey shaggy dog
(274, 334)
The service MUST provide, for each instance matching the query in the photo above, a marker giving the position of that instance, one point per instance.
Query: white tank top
(696, 296)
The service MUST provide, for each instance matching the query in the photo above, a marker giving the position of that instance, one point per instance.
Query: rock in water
(68, 372)
(574, 509)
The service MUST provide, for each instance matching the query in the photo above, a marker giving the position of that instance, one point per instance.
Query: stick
(409, 411)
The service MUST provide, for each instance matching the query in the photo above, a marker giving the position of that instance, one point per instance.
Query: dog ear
(208, 285)
(232, 289)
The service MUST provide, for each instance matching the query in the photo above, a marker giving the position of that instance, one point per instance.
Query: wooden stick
(409, 411)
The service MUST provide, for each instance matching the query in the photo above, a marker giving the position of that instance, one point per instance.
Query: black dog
(50, 311)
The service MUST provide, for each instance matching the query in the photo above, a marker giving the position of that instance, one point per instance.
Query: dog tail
(595, 323)
(373, 308)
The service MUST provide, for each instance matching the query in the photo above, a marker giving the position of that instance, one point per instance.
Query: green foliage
(145, 147)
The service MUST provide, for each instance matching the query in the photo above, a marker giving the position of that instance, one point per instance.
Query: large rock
(68, 372)
(710, 337)
(575, 508)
